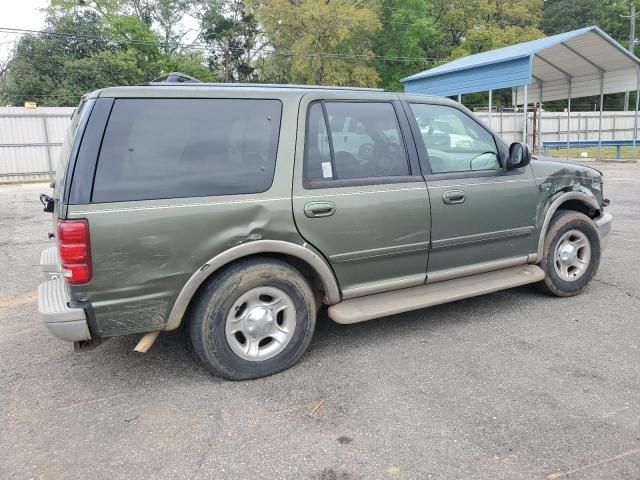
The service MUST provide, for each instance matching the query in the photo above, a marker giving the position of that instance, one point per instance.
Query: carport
(580, 63)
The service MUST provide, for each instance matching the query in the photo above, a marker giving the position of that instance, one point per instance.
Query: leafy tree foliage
(408, 30)
(231, 32)
(565, 15)
(329, 41)
(91, 44)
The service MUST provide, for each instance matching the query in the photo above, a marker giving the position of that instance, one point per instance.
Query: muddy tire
(252, 320)
(571, 254)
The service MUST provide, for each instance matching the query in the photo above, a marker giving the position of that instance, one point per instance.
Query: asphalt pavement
(511, 385)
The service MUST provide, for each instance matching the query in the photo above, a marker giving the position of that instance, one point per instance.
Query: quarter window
(454, 141)
(362, 140)
(171, 148)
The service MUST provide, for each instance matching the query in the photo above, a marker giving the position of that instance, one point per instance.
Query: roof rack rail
(197, 83)
(294, 86)
(173, 77)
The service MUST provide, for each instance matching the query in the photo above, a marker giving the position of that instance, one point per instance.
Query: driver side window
(353, 140)
(454, 141)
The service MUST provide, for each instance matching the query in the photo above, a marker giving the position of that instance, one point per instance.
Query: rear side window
(353, 140)
(171, 148)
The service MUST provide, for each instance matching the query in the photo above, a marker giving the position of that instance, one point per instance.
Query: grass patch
(607, 152)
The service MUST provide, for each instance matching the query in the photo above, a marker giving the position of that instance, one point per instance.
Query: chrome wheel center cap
(568, 254)
(259, 322)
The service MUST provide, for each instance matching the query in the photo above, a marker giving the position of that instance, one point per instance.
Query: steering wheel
(366, 151)
(349, 165)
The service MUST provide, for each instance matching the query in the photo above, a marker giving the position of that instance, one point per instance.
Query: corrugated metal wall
(584, 125)
(30, 141)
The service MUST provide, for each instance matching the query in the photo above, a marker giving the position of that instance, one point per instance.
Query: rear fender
(303, 252)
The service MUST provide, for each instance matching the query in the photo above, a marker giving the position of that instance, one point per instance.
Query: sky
(25, 14)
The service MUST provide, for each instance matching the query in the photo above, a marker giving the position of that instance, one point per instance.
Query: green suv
(238, 211)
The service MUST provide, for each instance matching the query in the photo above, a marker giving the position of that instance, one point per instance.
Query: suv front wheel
(571, 254)
(254, 319)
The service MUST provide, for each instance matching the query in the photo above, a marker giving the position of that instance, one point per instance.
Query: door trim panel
(406, 282)
(380, 252)
(481, 237)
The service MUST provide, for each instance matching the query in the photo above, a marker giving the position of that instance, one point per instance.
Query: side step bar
(398, 301)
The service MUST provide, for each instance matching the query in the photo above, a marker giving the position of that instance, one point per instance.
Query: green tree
(89, 47)
(564, 15)
(36, 71)
(329, 42)
(232, 34)
(409, 30)
(475, 26)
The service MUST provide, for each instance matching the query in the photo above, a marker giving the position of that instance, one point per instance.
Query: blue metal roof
(500, 68)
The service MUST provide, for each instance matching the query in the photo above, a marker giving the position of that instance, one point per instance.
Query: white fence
(583, 125)
(31, 139)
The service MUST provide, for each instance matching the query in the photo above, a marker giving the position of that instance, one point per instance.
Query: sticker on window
(327, 171)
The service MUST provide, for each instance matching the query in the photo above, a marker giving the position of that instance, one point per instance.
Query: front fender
(554, 203)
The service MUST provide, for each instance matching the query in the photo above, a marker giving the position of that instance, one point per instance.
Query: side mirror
(519, 155)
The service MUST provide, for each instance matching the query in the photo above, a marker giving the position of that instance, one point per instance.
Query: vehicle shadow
(170, 355)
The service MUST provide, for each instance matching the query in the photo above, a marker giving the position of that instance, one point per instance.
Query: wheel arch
(575, 201)
(278, 248)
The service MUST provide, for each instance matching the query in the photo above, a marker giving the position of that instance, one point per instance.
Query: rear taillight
(75, 250)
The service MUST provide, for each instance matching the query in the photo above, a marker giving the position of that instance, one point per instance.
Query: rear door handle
(452, 197)
(319, 209)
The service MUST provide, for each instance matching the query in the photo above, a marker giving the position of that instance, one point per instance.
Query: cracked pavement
(511, 385)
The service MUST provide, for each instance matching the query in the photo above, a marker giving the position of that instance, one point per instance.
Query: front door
(359, 197)
(483, 216)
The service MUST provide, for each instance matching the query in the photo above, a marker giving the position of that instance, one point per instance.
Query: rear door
(358, 194)
(483, 216)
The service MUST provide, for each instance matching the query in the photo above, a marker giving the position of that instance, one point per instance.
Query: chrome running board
(389, 303)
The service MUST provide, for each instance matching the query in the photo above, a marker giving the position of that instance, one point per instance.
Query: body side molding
(481, 237)
(582, 197)
(314, 260)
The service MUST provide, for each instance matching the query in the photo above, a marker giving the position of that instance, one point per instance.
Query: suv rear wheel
(571, 254)
(254, 319)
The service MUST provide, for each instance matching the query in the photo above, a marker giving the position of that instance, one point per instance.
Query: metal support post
(524, 126)
(490, 106)
(635, 121)
(45, 129)
(569, 118)
(540, 119)
(600, 117)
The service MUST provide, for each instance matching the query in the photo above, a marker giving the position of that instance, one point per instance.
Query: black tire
(206, 327)
(563, 222)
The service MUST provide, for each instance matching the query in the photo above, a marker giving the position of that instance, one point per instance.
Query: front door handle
(319, 209)
(452, 197)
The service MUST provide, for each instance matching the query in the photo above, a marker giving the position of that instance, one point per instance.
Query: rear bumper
(64, 322)
(603, 224)
(50, 263)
